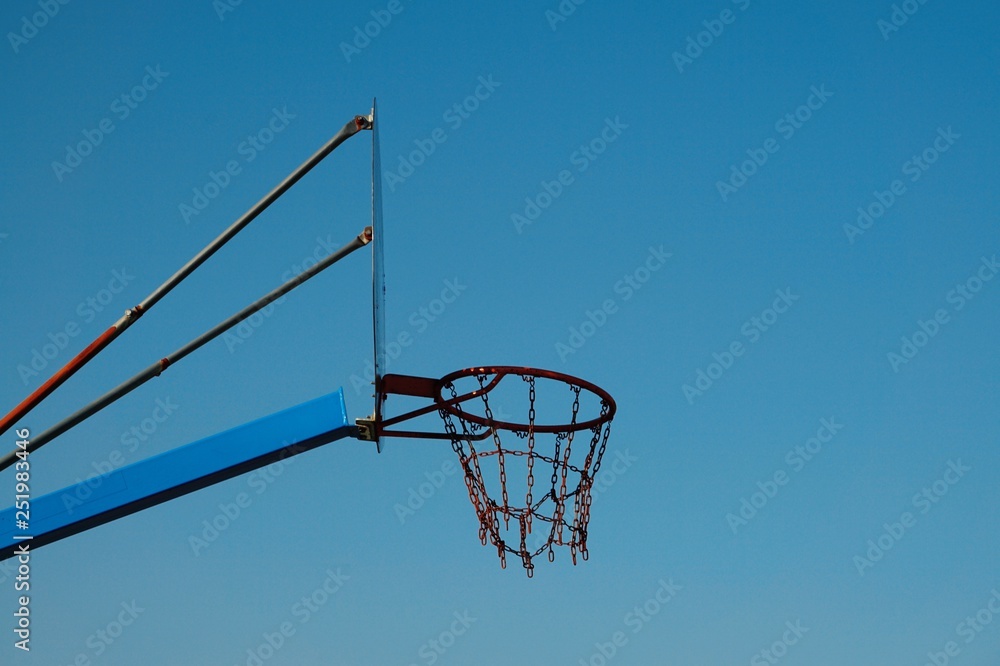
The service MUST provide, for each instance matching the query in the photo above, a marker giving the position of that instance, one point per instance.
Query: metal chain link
(562, 532)
(531, 448)
(605, 408)
(565, 468)
(500, 452)
(559, 500)
(472, 478)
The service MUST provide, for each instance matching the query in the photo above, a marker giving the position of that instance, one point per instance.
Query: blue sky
(822, 492)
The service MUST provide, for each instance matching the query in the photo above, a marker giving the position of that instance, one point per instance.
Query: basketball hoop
(562, 436)
(479, 438)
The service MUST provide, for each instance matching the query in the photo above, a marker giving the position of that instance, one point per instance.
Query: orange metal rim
(501, 371)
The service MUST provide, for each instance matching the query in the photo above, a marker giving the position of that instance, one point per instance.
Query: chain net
(553, 514)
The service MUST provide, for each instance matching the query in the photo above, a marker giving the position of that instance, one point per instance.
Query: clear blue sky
(739, 138)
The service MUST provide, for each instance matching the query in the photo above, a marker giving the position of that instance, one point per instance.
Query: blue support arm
(177, 472)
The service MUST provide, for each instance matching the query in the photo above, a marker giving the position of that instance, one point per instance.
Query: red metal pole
(77, 362)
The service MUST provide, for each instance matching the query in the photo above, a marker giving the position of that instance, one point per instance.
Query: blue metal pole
(174, 473)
